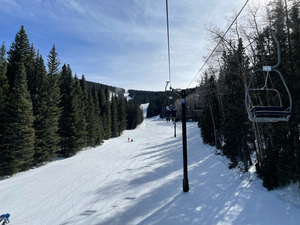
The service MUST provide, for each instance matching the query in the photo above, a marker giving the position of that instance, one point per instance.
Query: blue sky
(121, 43)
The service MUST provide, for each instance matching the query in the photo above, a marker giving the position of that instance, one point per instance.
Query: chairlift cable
(218, 43)
(168, 38)
(229, 29)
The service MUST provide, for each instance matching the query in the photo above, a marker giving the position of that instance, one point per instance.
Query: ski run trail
(140, 182)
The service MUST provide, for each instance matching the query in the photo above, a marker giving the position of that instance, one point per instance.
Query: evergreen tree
(41, 124)
(18, 54)
(19, 134)
(67, 124)
(80, 119)
(134, 114)
(3, 82)
(235, 117)
(122, 123)
(114, 117)
(209, 120)
(53, 62)
(295, 75)
(92, 126)
(99, 127)
(107, 116)
(53, 99)
(84, 94)
(30, 71)
(4, 87)
(102, 99)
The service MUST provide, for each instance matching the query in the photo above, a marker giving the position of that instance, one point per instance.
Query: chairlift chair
(169, 112)
(268, 113)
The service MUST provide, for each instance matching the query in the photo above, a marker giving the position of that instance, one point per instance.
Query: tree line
(274, 148)
(46, 112)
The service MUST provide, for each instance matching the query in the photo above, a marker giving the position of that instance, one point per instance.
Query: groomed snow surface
(140, 182)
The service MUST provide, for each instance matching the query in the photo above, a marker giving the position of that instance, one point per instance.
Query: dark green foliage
(122, 123)
(41, 124)
(19, 134)
(210, 120)
(114, 117)
(107, 116)
(234, 121)
(92, 126)
(101, 99)
(155, 106)
(99, 134)
(119, 91)
(67, 122)
(53, 62)
(134, 114)
(19, 53)
(276, 145)
(4, 87)
(53, 99)
(79, 114)
(46, 113)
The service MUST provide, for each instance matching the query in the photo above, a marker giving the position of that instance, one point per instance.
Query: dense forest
(46, 112)
(119, 91)
(274, 148)
(156, 100)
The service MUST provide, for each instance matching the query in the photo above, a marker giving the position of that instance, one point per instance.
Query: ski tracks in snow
(140, 182)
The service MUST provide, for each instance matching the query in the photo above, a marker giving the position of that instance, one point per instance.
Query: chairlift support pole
(174, 128)
(185, 181)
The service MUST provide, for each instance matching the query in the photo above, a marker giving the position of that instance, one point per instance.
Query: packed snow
(140, 182)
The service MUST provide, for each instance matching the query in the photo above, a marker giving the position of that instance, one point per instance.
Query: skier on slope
(4, 218)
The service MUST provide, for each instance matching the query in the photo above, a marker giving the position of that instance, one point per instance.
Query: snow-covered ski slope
(140, 182)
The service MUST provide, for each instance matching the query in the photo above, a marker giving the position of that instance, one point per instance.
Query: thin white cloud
(124, 42)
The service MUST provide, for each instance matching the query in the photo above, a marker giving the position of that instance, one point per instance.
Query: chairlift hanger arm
(166, 88)
(278, 50)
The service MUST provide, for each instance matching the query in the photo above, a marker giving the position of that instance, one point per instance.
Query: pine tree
(80, 119)
(30, 71)
(92, 128)
(83, 86)
(122, 123)
(53, 62)
(234, 123)
(41, 124)
(3, 82)
(18, 54)
(99, 136)
(107, 116)
(67, 124)
(19, 133)
(295, 75)
(114, 117)
(209, 120)
(4, 87)
(102, 99)
(53, 99)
